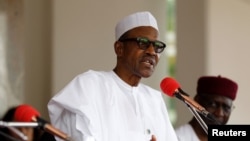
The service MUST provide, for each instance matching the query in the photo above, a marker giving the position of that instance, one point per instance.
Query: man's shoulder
(185, 132)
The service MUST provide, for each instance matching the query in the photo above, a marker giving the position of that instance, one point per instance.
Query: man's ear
(118, 46)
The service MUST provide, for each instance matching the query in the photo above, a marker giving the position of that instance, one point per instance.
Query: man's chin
(147, 74)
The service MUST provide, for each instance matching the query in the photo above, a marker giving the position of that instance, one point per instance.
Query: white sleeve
(68, 111)
(74, 126)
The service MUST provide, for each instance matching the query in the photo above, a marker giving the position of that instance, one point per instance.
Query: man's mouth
(148, 61)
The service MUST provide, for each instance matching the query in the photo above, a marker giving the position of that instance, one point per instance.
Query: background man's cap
(135, 20)
(217, 85)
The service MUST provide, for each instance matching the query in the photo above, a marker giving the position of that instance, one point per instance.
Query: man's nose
(151, 49)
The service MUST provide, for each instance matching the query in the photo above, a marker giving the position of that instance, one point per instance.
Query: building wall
(228, 46)
(213, 39)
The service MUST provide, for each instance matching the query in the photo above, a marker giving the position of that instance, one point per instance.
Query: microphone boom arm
(185, 98)
(194, 111)
(18, 124)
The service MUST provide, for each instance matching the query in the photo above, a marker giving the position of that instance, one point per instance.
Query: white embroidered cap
(135, 20)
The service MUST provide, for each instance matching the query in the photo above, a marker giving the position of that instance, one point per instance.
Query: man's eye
(226, 107)
(212, 105)
(143, 43)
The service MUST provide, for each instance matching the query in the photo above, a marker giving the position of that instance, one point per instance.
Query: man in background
(216, 94)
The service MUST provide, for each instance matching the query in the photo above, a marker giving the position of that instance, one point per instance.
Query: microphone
(14, 130)
(172, 88)
(26, 113)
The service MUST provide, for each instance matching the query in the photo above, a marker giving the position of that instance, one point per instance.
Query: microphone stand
(197, 116)
(11, 126)
(41, 123)
(19, 124)
(194, 112)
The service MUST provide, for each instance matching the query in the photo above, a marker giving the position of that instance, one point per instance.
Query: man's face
(219, 106)
(137, 61)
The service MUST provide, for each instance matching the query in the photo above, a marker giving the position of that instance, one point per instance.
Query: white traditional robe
(99, 106)
(186, 133)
